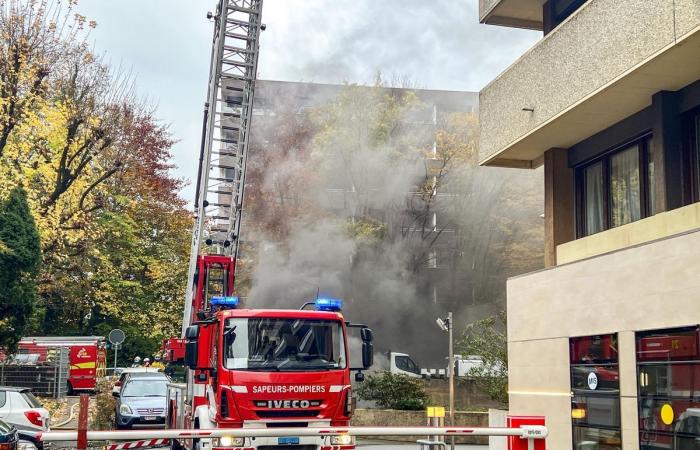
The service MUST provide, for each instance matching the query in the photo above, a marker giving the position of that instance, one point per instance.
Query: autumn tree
(19, 260)
(361, 146)
(96, 166)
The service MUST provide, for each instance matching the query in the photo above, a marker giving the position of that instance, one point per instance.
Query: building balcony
(660, 226)
(599, 66)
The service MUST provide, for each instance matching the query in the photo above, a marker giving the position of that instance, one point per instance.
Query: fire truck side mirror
(191, 334)
(366, 334)
(367, 354)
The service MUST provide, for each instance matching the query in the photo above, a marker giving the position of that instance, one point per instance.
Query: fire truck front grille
(287, 424)
(286, 447)
(286, 414)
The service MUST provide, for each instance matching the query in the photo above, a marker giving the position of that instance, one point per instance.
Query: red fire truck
(266, 368)
(87, 357)
(249, 368)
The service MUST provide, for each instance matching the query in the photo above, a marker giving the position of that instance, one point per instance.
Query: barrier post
(83, 421)
(530, 440)
(436, 419)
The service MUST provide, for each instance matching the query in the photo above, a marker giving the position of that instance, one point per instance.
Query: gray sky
(438, 44)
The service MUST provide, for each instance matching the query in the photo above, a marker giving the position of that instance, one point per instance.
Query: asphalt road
(390, 445)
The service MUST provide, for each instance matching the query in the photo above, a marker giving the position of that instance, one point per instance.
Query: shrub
(394, 391)
(103, 408)
(487, 338)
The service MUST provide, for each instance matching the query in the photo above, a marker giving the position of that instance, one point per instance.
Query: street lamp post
(451, 368)
(446, 325)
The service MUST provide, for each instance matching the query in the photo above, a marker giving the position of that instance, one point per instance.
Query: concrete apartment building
(604, 341)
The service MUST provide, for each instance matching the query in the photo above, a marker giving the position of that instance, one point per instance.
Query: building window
(613, 190)
(595, 385)
(432, 260)
(693, 173)
(668, 373)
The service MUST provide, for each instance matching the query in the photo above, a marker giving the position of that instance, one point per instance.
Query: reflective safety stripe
(85, 365)
(240, 389)
(337, 387)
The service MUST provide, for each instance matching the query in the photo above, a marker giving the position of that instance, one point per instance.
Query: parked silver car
(125, 372)
(141, 401)
(20, 408)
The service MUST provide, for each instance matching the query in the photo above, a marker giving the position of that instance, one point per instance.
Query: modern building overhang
(671, 69)
(587, 75)
(512, 13)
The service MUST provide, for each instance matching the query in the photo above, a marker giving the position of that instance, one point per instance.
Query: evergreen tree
(20, 255)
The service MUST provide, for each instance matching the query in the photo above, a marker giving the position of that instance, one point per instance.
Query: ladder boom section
(226, 135)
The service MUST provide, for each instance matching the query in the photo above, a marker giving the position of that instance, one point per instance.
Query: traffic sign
(116, 336)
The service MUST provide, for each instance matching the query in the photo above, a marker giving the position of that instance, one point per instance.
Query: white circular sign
(592, 381)
(116, 336)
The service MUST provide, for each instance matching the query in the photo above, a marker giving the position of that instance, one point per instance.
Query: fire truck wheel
(71, 391)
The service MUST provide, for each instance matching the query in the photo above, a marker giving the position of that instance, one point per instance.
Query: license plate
(150, 418)
(287, 440)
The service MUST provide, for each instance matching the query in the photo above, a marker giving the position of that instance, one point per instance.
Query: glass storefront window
(668, 374)
(595, 385)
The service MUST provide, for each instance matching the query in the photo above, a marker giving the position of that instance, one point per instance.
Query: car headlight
(342, 439)
(124, 409)
(229, 441)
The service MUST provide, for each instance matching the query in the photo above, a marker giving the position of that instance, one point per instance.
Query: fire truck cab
(268, 368)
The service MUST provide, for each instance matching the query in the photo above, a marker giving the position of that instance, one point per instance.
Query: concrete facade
(613, 76)
(591, 297)
(599, 66)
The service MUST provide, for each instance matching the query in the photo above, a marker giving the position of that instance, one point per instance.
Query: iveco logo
(289, 404)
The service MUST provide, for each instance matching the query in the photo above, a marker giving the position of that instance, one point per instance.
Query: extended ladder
(226, 133)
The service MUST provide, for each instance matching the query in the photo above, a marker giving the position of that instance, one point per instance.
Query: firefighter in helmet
(157, 362)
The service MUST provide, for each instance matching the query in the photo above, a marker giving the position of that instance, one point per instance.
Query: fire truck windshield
(279, 344)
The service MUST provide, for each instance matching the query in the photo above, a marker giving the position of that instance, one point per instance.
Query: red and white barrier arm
(525, 432)
(139, 444)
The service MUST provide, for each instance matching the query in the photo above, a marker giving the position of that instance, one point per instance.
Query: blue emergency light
(328, 304)
(224, 302)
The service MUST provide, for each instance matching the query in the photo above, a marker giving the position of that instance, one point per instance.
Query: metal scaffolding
(225, 134)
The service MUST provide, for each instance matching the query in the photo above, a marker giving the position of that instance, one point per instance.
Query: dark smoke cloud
(492, 208)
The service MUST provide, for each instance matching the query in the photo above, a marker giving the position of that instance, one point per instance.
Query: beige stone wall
(655, 227)
(598, 44)
(651, 286)
(468, 396)
(392, 417)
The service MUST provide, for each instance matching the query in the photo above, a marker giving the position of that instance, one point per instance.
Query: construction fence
(46, 378)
